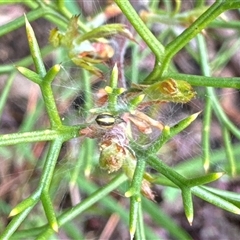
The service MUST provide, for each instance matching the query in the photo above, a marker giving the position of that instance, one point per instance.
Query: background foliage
(46, 169)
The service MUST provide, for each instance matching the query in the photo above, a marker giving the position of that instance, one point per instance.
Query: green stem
(159, 217)
(49, 210)
(204, 81)
(168, 172)
(223, 24)
(30, 4)
(34, 49)
(221, 114)
(23, 209)
(134, 193)
(49, 164)
(135, 62)
(27, 61)
(51, 108)
(188, 203)
(78, 165)
(208, 106)
(5, 91)
(52, 13)
(66, 132)
(141, 28)
(37, 13)
(63, 9)
(36, 136)
(229, 152)
(138, 175)
(85, 204)
(113, 96)
(19, 22)
(205, 194)
(140, 233)
(88, 146)
(87, 90)
(15, 223)
(48, 97)
(133, 215)
(207, 116)
(178, 43)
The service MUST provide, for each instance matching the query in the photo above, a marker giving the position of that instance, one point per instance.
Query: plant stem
(167, 171)
(15, 223)
(67, 132)
(24, 62)
(86, 203)
(222, 115)
(178, 43)
(208, 106)
(229, 151)
(5, 91)
(49, 164)
(36, 136)
(132, 16)
(49, 100)
(204, 81)
(17, 23)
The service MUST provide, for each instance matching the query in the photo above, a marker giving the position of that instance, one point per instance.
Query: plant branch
(205, 81)
(141, 28)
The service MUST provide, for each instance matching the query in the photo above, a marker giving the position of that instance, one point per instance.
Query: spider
(111, 128)
(140, 96)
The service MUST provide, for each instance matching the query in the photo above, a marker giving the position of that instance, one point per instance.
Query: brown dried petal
(146, 190)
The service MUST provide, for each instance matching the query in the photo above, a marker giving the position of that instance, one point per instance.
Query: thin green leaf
(229, 151)
(227, 195)
(133, 214)
(35, 51)
(207, 116)
(140, 231)
(167, 171)
(52, 73)
(29, 202)
(15, 223)
(134, 102)
(114, 77)
(49, 211)
(25, 209)
(168, 132)
(86, 203)
(183, 124)
(197, 80)
(15, 138)
(141, 28)
(113, 97)
(204, 179)
(31, 75)
(188, 204)
(215, 199)
(5, 92)
(162, 219)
